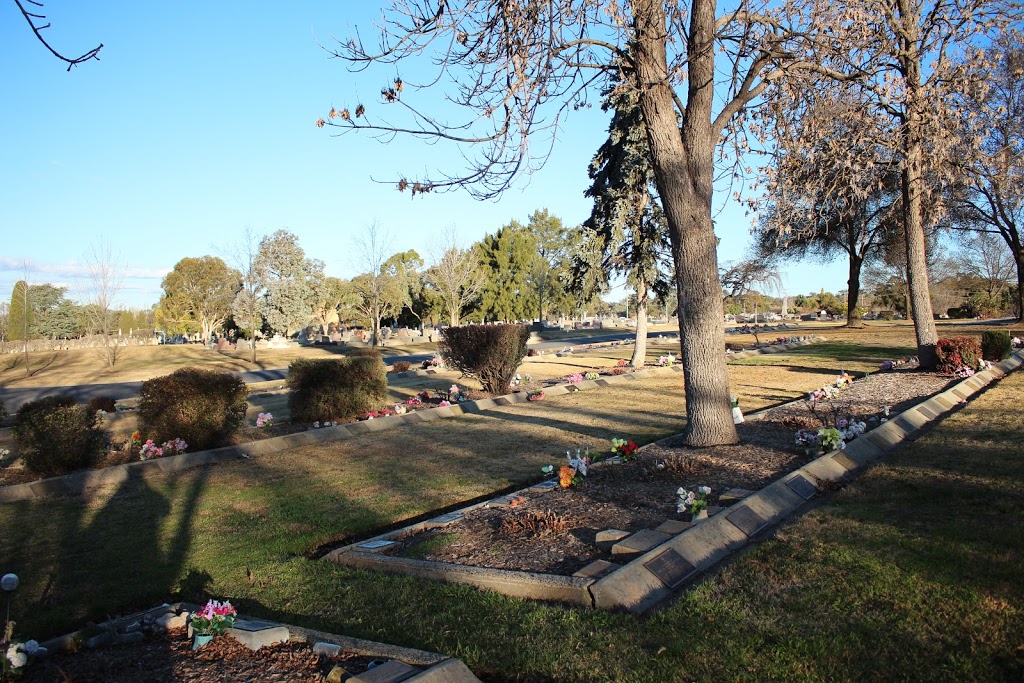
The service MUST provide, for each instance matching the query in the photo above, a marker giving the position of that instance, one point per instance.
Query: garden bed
(555, 532)
(169, 657)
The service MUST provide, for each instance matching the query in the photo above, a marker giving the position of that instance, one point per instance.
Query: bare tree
(454, 275)
(244, 254)
(380, 291)
(990, 195)
(34, 18)
(518, 68)
(902, 56)
(105, 275)
(986, 257)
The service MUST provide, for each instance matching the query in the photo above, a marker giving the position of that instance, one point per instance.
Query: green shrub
(365, 353)
(203, 407)
(995, 345)
(957, 352)
(57, 435)
(491, 353)
(337, 388)
(3, 412)
(104, 403)
(401, 366)
(886, 315)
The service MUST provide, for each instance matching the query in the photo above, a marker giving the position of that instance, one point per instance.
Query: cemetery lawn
(911, 572)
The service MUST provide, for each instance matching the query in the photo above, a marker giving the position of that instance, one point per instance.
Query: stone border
(78, 483)
(255, 633)
(654, 575)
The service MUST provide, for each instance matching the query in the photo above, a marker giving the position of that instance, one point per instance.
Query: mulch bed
(555, 532)
(169, 657)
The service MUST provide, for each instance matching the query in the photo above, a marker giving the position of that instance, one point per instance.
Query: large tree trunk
(913, 181)
(640, 347)
(454, 312)
(853, 292)
(683, 167)
(1018, 259)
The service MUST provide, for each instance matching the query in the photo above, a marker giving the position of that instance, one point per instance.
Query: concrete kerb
(79, 483)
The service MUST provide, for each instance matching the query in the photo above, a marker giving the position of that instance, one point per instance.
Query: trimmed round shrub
(105, 403)
(203, 407)
(491, 353)
(401, 366)
(337, 388)
(995, 345)
(365, 353)
(57, 435)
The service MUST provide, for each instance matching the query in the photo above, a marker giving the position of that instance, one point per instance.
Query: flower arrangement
(215, 618)
(423, 396)
(444, 404)
(369, 416)
(435, 362)
(895, 364)
(592, 376)
(150, 450)
(668, 360)
(824, 439)
(414, 402)
(575, 378)
(619, 371)
(566, 476)
(851, 428)
(535, 395)
(264, 420)
(15, 656)
(621, 363)
(624, 449)
(400, 409)
(135, 441)
(692, 501)
(581, 461)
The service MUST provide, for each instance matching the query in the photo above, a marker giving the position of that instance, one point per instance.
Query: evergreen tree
(19, 314)
(507, 258)
(626, 233)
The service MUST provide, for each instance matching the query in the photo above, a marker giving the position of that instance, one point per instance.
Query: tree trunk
(640, 348)
(684, 173)
(913, 181)
(853, 292)
(454, 311)
(252, 335)
(1018, 259)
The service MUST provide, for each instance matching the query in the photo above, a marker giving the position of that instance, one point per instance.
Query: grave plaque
(375, 545)
(924, 410)
(746, 520)
(904, 424)
(845, 461)
(447, 518)
(671, 568)
(943, 402)
(802, 487)
(545, 486)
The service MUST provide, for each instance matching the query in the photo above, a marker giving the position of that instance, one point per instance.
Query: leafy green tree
(626, 232)
(329, 295)
(198, 294)
(287, 302)
(549, 237)
(507, 258)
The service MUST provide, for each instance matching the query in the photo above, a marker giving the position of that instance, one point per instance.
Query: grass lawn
(912, 572)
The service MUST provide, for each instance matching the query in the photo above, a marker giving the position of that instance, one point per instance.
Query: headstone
(802, 487)
(392, 671)
(610, 536)
(673, 527)
(224, 345)
(374, 546)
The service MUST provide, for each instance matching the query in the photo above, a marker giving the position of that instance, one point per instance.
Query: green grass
(910, 573)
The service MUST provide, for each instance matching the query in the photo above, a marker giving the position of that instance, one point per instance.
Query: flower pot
(737, 415)
(199, 640)
(697, 516)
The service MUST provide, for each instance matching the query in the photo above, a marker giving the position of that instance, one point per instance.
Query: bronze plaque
(746, 520)
(802, 487)
(671, 568)
(926, 411)
(845, 461)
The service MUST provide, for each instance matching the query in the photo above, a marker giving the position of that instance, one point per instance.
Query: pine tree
(626, 232)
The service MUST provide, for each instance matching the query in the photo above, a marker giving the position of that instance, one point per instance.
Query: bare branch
(32, 19)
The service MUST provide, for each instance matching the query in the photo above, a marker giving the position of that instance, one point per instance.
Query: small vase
(737, 415)
(199, 641)
(697, 516)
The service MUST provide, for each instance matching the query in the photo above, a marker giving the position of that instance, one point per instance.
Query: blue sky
(198, 122)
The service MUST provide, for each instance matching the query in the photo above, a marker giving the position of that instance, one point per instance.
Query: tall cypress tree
(19, 315)
(626, 232)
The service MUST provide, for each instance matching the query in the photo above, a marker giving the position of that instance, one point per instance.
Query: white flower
(706, 490)
(17, 658)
